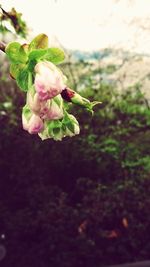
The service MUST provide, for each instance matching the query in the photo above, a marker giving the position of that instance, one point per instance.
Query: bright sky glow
(88, 24)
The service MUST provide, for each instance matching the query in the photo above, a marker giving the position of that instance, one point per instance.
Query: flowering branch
(47, 94)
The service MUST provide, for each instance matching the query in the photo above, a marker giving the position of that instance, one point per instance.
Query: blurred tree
(15, 20)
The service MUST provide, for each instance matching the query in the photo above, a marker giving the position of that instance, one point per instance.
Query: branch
(2, 46)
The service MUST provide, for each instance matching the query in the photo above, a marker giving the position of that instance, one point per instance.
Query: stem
(2, 46)
(30, 80)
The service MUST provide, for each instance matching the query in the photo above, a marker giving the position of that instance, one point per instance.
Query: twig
(2, 46)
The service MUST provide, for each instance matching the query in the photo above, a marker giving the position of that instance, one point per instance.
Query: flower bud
(52, 129)
(37, 106)
(51, 109)
(54, 109)
(70, 125)
(58, 129)
(71, 96)
(49, 80)
(33, 101)
(31, 122)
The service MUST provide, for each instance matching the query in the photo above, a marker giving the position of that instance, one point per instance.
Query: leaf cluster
(24, 57)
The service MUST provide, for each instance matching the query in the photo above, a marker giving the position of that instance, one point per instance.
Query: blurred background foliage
(83, 201)
(11, 21)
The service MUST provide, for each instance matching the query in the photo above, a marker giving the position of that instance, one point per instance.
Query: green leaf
(24, 79)
(37, 54)
(26, 112)
(58, 100)
(31, 65)
(16, 53)
(15, 69)
(25, 47)
(68, 121)
(70, 126)
(55, 129)
(55, 124)
(54, 55)
(40, 41)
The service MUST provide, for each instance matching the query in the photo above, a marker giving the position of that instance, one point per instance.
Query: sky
(89, 24)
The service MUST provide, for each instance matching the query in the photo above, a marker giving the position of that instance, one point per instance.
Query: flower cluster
(33, 66)
(44, 113)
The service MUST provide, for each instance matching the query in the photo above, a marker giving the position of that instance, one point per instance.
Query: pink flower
(32, 124)
(53, 109)
(35, 104)
(49, 80)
